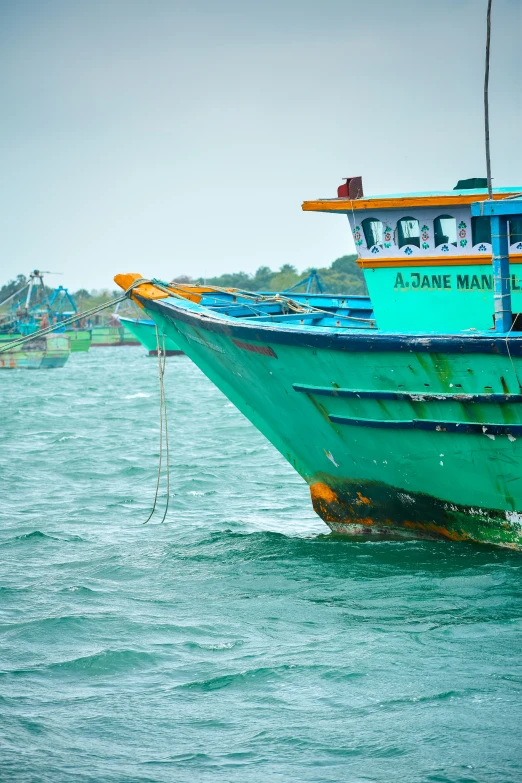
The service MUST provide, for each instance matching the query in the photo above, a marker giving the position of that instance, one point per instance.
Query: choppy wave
(239, 640)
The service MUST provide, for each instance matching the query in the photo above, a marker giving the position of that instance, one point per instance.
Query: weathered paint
(398, 514)
(386, 394)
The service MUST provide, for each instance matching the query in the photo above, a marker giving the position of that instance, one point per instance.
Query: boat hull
(46, 352)
(342, 410)
(103, 336)
(145, 332)
(80, 340)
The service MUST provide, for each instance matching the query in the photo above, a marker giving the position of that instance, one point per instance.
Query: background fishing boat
(47, 352)
(112, 334)
(80, 339)
(109, 331)
(27, 310)
(60, 306)
(144, 330)
(35, 306)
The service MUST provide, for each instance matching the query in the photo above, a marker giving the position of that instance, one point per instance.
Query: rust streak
(430, 527)
(321, 491)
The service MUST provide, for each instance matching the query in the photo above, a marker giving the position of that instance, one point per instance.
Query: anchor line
(167, 455)
(162, 354)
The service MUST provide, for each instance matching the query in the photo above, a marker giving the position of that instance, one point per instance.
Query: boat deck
(354, 312)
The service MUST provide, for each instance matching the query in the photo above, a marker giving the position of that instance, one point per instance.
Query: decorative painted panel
(426, 216)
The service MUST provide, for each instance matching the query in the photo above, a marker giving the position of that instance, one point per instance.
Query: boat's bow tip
(126, 279)
(145, 290)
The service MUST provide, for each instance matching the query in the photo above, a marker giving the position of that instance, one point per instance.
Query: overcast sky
(169, 137)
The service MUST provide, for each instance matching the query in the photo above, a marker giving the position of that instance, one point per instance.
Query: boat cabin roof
(406, 200)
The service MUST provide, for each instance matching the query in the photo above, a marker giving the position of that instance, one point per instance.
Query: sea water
(238, 641)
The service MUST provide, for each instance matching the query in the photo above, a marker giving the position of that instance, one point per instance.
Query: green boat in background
(32, 308)
(80, 339)
(112, 335)
(47, 352)
(61, 306)
(144, 330)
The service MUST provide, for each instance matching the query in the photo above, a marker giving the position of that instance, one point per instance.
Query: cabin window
(480, 230)
(407, 232)
(372, 232)
(445, 230)
(515, 231)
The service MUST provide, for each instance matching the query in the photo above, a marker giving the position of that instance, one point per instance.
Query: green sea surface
(238, 641)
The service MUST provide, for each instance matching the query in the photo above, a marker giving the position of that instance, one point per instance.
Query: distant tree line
(343, 276)
(12, 286)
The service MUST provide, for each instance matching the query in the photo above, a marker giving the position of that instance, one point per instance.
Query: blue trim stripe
(378, 394)
(350, 341)
(458, 427)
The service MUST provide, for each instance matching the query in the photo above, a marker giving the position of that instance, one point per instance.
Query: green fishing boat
(47, 352)
(80, 339)
(144, 329)
(32, 308)
(112, 335)
(61, 306)
(403, 413)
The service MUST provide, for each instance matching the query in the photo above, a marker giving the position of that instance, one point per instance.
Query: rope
(15, 294)
(163, 419)
(314, 309)
(166, 428)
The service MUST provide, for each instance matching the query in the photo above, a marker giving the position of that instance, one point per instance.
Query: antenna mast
(486, 101)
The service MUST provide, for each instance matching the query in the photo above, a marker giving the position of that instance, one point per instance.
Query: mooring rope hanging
(167, 455)
(162, 354)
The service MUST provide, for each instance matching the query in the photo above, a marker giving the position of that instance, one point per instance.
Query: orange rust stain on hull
(327, 505)
(431, 528)
(321, 491)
